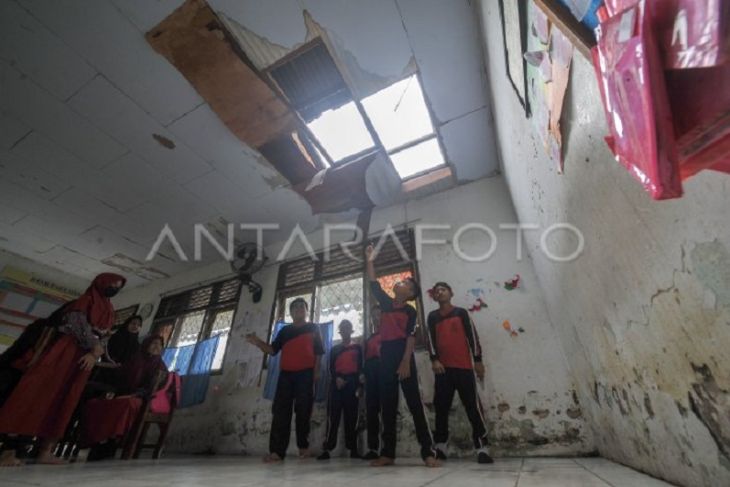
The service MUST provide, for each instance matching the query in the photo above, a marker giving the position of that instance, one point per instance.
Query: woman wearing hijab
(124, 343)
(108, 420)
(42, 403)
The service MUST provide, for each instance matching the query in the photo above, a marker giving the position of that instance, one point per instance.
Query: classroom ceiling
(103, 140)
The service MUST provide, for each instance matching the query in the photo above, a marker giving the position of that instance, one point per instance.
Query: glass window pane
(190, 326)
(339, 301)
(417, 159)
(342, 132)
(222, 327)
(399, 113)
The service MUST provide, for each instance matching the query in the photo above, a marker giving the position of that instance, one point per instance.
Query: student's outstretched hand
(369, 253)
(252, 338)
(437, 367)
(340, 383)
(479, 370)
(87, 361)
(404, 370)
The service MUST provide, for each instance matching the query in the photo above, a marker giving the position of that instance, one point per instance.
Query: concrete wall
(531, 404)
(644, 314)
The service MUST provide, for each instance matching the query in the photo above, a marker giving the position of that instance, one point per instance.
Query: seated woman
(124, 343)
(122, 346)
(106, 421)
(45, 397)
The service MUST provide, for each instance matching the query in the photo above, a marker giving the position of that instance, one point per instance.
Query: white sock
(441, 446)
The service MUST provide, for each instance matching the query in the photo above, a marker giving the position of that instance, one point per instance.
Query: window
(121, 315)
(394, 121)
(341, 300)
(338, 288)
(199, 314)
(400, 117)
(342, 132)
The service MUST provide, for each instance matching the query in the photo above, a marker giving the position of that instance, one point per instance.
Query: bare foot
(304, 453)
(432, 462)
(49, 459)
(8, 459)
(272, 458)
(382, 462)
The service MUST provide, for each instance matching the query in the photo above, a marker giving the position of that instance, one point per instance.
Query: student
(455, 356)
(345, 365)
(370, 377)
(124, 343)
(397, 364)
(42, 403)
(301, 349)
(106, 421)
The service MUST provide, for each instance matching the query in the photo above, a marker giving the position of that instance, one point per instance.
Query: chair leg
(140, 441)
(160, 440)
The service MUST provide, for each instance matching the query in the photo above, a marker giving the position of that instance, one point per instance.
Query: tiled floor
(236, 471)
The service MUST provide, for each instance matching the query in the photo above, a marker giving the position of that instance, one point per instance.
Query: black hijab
(124, 344)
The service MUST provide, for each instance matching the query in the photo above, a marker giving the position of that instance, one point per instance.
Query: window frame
(210, 310)
(320, 278)
(378, 146)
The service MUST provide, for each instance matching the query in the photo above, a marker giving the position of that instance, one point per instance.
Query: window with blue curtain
(193, 363)
(189, 318)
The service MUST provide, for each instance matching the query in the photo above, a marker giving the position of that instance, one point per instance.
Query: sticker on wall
(478, 306)
(513, 283)
(508, 327)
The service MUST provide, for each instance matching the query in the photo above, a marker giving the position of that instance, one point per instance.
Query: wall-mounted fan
(248, 259)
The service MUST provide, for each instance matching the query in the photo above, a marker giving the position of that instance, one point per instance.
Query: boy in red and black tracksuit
(456, 356)
(371, 373)
(397, 364)
(301, 348)
(345, 365)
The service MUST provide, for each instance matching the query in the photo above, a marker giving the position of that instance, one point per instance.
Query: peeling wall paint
(643, 314)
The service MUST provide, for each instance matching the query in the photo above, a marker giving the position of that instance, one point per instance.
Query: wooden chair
(135, 441)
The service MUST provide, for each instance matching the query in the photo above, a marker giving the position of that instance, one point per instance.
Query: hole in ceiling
(399, 113)
(418, 159)
(342, 132)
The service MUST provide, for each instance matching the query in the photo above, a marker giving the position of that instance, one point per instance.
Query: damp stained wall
(643, 315)
(529, 398)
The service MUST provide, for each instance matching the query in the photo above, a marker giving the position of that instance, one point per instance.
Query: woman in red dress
(42, 403)
(109, 420)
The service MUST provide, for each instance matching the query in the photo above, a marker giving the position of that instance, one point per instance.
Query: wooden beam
(578, 34)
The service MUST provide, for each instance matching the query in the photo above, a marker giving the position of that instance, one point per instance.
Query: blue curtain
(327, 331)
(178, 359)
(193, 364)
(273, 375)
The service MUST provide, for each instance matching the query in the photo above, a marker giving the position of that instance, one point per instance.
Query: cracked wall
(643, 314)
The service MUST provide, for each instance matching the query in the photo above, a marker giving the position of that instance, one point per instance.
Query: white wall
(530, 400)
(643, 315)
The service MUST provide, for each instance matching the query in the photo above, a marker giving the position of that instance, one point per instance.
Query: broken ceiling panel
(193, 39)
(312, 82)
(262, 52)
(288, 155)
(339, 188)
